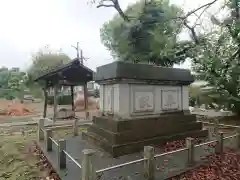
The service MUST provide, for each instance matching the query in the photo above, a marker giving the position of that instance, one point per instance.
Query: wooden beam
(55, 103)
(45, 102)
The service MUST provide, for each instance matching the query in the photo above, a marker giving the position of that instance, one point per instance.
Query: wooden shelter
(72, 74)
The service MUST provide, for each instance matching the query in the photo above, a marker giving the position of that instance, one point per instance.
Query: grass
(64, 133)
(16, 162)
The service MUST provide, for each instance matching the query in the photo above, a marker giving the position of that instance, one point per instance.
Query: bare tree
(111, 3)
(115, 4)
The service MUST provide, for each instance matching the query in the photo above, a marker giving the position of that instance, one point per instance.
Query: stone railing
(149, 160)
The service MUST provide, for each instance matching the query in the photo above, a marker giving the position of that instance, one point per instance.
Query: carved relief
(109, 98)
(144, 101)
(170, 100)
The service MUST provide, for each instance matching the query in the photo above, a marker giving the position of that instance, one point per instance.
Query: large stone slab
(119, 70)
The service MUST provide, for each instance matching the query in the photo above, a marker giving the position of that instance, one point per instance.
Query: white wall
(132, 99)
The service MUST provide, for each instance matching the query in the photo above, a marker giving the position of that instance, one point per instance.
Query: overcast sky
(27, 25)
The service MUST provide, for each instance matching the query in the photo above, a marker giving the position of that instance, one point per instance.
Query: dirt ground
(35, 110)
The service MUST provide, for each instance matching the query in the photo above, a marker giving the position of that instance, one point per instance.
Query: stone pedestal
(141, 105)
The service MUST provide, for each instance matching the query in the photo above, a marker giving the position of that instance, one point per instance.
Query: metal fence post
(219, 146)
(149, 162)
(61, 154)
(40, 129)
(88, 170)
(48, 141)
(75, 127)
(190, 146)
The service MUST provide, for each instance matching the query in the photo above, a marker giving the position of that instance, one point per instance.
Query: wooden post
(219, 146)
(149, 163)
(45, 102)
(85, 91)
(190, 146)
(88, 170)
(40, 129)
(72, 97)
(75, 127)
(61, 154)
(48, 141)
(238, 137)
(55, 104)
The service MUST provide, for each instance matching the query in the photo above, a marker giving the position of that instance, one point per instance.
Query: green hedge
(62, 100)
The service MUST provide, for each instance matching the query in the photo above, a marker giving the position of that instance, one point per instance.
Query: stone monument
(141, 105)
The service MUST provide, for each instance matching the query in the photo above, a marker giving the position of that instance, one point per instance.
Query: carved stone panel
(143, 101)
(170, 100)
(108, 104)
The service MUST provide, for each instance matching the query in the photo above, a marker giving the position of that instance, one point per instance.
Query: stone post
(40, 129)
(190, 146)
(75, 127)
(210, 132)
(61, 154)
(87, 115)
(149, 162)
(88, 170)
(216, 126)
(219, 146)
(48, 141)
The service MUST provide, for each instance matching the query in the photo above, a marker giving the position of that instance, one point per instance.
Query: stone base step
(148, 124)
(129, 148)
(140, 134)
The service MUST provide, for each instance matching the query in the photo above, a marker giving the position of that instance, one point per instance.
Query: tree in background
(145, 34)
(216, 58)
(215, 54)
(12, 83)
(44, 61)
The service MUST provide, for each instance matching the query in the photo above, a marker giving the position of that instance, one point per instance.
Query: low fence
(149, 160)
(75, 125)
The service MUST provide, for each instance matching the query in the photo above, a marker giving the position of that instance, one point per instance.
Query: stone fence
(89, 172)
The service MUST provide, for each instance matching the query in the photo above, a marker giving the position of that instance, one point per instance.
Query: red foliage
(174, 145)
(219, 167)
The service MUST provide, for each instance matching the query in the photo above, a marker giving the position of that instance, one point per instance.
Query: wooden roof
(72, 73)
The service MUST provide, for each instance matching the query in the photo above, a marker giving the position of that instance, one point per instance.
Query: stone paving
(165, 166)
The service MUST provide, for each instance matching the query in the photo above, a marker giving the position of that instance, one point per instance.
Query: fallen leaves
(174, 145)
(224, 167)
(43, 163)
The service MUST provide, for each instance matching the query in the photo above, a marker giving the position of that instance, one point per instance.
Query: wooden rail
(89, 172)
